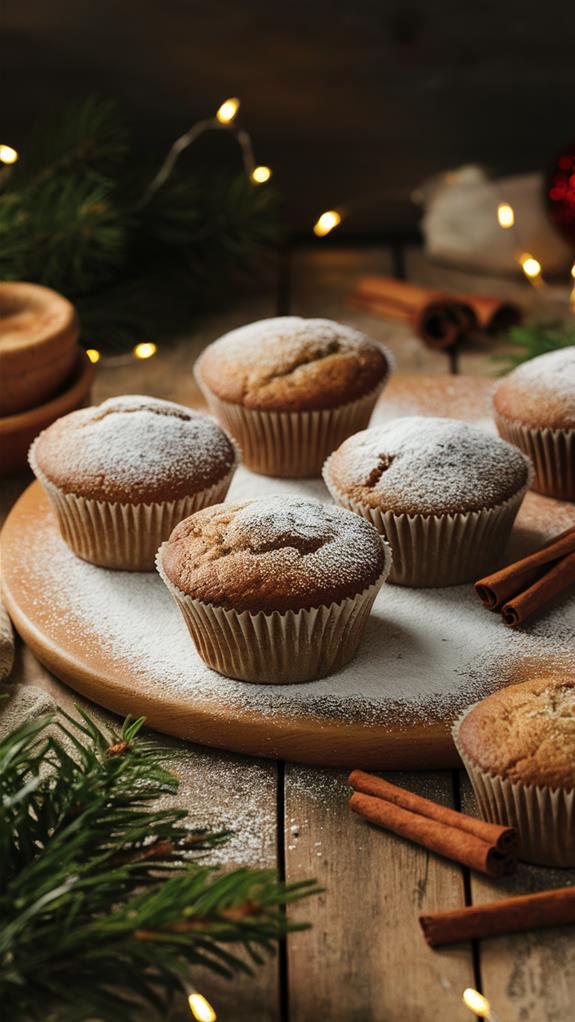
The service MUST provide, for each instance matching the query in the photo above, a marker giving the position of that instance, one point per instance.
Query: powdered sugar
(273, 550)
(134, 445)
(426, 653)
(428, 465)
(552, 374)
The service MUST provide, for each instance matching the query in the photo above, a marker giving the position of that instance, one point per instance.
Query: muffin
(38, 345)
(535, 409)
(277, 589)
(443, 493)
(518, 747)
(290, 390)
(122, 474)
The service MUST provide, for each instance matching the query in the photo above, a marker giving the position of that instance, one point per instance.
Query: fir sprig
(102, 905)
(77, 214)
(536, 339)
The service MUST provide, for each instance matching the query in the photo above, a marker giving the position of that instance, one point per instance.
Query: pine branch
(101, 893)
(537, 339)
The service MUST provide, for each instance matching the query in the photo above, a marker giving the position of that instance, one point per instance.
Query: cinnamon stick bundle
(527, 586)
(486, 847)
(527, 912)
(440, 320)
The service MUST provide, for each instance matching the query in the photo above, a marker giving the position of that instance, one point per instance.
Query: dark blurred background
(344, 100)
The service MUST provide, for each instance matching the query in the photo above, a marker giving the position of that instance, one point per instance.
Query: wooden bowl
(18, 431)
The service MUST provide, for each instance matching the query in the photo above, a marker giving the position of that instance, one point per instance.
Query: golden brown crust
(133, 449)
(426, 466)
(276, 553)
(540, 392)
(38, 344)
(290, 364)
(525, 733)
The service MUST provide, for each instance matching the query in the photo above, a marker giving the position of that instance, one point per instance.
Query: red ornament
(560, 189)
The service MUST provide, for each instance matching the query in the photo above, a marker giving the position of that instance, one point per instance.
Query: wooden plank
(365, 957)
(322, 280)
(475, 358)
(528, 977)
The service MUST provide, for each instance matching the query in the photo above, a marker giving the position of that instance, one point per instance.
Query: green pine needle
(103, 904)
(536, 339)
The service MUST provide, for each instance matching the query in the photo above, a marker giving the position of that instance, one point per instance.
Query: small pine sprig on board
(102, 909)
(78, 214)
(536, 339)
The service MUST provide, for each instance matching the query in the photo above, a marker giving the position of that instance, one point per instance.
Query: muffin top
(426, 466)
(525, 733)
(133, 449)
(276, 553)
(293, 364)
(540, 392)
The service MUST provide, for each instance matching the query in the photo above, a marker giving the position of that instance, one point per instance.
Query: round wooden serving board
(117, 638)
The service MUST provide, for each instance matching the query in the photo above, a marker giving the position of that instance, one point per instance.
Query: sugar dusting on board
(426, 653)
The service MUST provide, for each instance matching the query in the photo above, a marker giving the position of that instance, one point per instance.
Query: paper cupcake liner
(552, 452)
(438, 550)
(122, 536)
(290, 444)
(543, 817)
(277, 648)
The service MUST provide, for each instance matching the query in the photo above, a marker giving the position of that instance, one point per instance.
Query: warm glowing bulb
(573, 271)
(93, 354)
(476, 1002)
(505, 215)
(200, 1008)
(531, 267)
(8, 154)
(228, 110)
(326, 222)
(260, 175)
(145, 349)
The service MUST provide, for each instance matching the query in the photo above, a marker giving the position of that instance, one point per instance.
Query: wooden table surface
(364, 957)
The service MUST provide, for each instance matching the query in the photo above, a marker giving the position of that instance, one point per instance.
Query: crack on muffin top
(293, 364)
(134, 449)
(275, 553)
(428, 466)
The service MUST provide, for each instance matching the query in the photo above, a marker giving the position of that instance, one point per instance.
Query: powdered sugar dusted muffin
(535, 409)
(518, 746)
(277, 589)
(291, 389)
(442, 492)
(122, 474)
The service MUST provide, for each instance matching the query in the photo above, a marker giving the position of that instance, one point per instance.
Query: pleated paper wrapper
(289, 444)
(438, 550)
(552, 452)
(543, 817)
(122, 536)
(278, 647)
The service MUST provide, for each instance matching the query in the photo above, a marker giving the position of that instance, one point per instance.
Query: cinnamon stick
(528, 912)
(495, 589)
(440, 320)
(503, 839)
(451, 842)
(559, 578)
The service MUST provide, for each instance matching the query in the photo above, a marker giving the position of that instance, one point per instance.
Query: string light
(477, 1003)
(531, 267)
(8, 154)
(326, 222)
(572, 297)
(93, 354)
(145, 349)
(505, 215)
(226, 113)
(260, 175)
(201, 1008)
